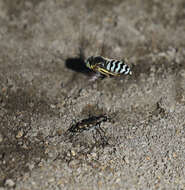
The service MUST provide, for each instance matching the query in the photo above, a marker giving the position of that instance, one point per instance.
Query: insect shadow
(77, 64)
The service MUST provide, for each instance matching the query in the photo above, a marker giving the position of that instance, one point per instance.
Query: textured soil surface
(45, 89)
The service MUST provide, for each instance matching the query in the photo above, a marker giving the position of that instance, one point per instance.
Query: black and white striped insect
(108, 67)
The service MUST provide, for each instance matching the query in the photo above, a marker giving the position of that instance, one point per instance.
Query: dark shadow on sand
(77, 64)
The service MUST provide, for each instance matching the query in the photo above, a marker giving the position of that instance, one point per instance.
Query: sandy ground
(45, 88)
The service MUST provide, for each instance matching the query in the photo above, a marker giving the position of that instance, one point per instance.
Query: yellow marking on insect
(102, 70)
(106, 72)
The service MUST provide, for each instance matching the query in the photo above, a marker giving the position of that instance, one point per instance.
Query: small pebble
(174, 155)
(19, 134)
(51, 180)
(93, 154)
(126, 160)
(73, 153)
(9, 182)
(52, 106)
(118, 180)
(31, 166)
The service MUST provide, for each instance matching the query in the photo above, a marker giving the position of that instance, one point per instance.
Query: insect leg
(94, 137)
(95, 77)
(100, 129)
(103, 138)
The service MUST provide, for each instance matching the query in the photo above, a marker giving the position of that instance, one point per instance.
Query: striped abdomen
(117, 67)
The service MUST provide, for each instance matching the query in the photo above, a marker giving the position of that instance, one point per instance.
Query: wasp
(108, 67)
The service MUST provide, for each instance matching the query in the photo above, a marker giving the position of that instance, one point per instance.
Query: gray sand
(44, 89)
